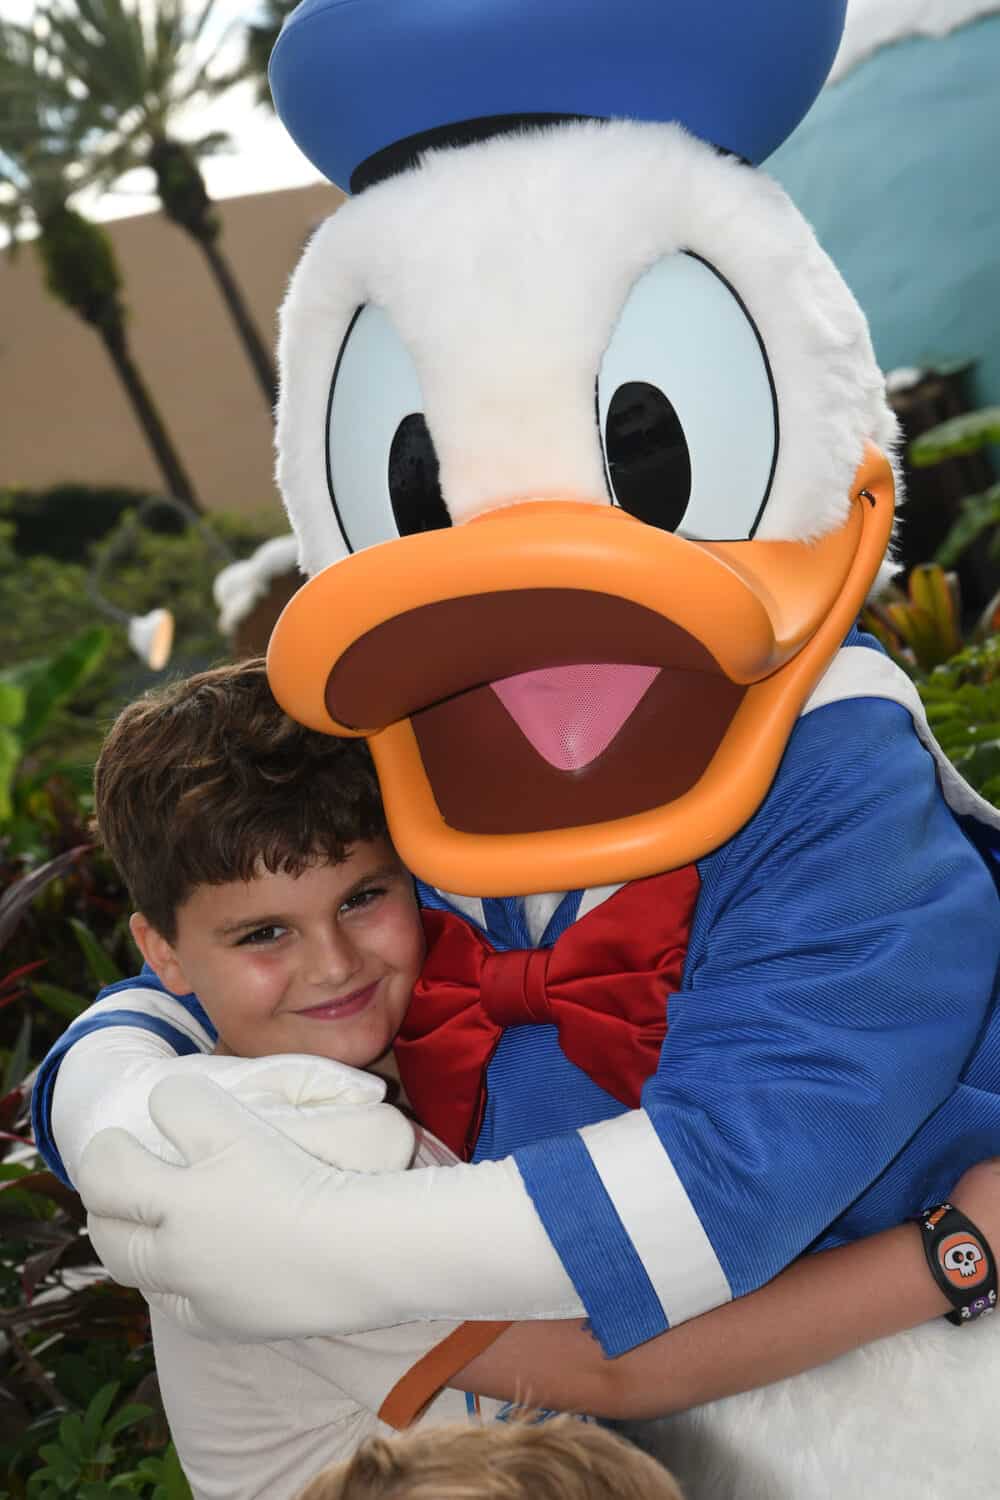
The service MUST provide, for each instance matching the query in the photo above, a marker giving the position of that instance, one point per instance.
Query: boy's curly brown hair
(207, 780)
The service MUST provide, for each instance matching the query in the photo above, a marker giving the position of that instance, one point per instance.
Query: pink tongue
(570, 714)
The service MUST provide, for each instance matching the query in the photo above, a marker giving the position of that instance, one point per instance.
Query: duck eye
(649, 465)
(686, 406)
(414, 490)
(382, 470)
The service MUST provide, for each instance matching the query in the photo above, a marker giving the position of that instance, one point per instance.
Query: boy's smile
(347, 1005)
(322, 962)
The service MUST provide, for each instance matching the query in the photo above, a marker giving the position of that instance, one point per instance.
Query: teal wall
(897, 167)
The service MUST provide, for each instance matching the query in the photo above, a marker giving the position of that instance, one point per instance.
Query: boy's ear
(158, 953)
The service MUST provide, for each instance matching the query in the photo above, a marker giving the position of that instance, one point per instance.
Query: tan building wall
(63, 413)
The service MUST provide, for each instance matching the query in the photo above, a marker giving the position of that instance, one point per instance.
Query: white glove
(333, 1111)
(257, 1240)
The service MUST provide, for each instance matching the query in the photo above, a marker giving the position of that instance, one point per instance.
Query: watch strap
(960, 1260)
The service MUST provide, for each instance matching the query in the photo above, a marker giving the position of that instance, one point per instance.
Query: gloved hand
(333, 1111)
(257, 1240)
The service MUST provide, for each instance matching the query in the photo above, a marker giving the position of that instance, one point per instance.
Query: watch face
(963, 1262)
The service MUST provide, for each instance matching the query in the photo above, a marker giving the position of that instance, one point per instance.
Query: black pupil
(648, 460)
(414, 490)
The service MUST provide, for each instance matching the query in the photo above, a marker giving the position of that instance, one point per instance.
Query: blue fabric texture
(351, 79)
(833, 1057)
(558, 1174)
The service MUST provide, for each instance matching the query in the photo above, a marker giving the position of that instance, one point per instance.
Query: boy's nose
(332, 959)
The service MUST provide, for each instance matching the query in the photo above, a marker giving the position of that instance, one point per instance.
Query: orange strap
(422, 1381)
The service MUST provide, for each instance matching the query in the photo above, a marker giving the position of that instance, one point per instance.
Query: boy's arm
(103, 1069)
(823, 1306)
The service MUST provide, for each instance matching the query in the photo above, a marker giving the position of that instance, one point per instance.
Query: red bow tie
(604, 984)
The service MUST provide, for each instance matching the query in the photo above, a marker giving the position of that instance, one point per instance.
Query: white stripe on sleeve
(658, 1216)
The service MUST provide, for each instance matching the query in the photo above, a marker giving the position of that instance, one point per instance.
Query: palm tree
(261, 36)
(36, 182)
(135, 66)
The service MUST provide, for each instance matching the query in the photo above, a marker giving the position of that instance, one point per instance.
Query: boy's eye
(364, 898)
(260, 936)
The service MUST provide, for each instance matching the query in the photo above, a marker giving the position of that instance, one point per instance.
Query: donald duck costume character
(589, 459)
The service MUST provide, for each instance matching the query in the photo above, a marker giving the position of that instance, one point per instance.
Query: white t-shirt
(258, 1421)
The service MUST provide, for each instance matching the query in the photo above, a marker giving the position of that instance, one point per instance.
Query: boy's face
(323, 962)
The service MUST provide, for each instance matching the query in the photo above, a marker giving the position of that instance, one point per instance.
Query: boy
(256, 855)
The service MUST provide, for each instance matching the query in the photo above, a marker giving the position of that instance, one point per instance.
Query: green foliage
(181, 188)
(79, 265)
(79, 1461)
(53, 900)
(64, 520)
(86, 1458)
(953, 439)
(20, 893)
(135, 68)
(101, 968)
(134, 73)
(11, 714)
(44, 601)
(63, 933)
(60, 1001)
(43, 604)
(978, 513)
(75, 918)
(17, 1063)
(81, 1403)
(30, 693)
(164, 1474)
(37, 128)
(80, 1413)
(51, 681)
(79, 1407)
(962, 699)
(922, 627)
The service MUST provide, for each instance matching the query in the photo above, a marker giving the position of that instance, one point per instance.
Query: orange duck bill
(559, 695)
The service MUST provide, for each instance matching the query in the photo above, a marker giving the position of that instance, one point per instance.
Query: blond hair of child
(559, 1459)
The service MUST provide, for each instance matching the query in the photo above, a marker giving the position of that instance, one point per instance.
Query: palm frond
(213, 143)
(201, 20)
(36, 129)
(131, 66)
(100, 44)
(261, 35)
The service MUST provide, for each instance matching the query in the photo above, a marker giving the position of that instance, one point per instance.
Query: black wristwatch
(961, 1262)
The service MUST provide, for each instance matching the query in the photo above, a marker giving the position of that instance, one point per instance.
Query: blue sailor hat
(364, 85)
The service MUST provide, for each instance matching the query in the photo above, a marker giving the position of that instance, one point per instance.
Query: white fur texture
(243, 584)
(504, 267)
(909, 1418)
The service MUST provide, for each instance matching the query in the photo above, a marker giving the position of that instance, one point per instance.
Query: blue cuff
(590, 1240)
